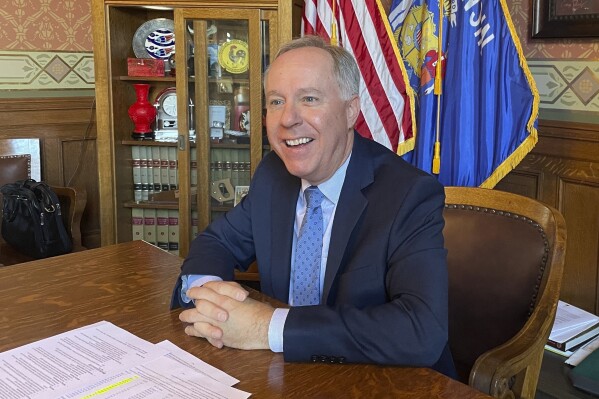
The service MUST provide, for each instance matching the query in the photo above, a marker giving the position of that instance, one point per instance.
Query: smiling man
(343, 230)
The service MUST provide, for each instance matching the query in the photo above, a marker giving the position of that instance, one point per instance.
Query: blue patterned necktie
(308, 251)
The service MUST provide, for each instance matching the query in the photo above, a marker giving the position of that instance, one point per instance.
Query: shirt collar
(331, 188)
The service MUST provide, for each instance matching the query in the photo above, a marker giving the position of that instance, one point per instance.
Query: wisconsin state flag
(485, 116)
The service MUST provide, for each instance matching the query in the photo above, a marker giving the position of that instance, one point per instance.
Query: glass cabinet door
(220, 71)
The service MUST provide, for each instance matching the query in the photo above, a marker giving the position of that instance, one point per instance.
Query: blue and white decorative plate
(155, 39)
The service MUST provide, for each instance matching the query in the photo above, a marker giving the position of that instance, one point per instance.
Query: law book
(144, 173)
(162, 233)
(244, 177)
(137, 223)
(156, 169)
(136, 169)
(194, 224)
(572, 327)
(172, 168)
(150, 166)
(194, 168)
(173, 231)
(581, 338)
(216, 170)
(235, 168)
(164, 169)
(150, 226)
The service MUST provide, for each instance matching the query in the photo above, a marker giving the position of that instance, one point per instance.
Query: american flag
(363, 29)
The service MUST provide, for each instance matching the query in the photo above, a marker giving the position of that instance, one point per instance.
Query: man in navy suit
(383, 276)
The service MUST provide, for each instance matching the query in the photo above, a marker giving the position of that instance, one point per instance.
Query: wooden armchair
(20, 159)
(505, 258)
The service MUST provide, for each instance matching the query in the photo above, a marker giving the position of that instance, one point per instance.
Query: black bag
(32, 220)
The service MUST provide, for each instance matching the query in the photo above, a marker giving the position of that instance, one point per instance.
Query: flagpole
(438, 90)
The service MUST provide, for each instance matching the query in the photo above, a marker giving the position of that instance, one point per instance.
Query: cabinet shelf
(152, 205)
(148, 78)
(149, 143)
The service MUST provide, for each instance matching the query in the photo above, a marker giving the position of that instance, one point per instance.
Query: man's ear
(353, 110)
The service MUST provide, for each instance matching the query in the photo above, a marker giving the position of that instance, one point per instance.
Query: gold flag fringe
(528, 144)
(406, 145)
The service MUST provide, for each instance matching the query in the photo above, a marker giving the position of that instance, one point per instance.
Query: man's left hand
(246, 326)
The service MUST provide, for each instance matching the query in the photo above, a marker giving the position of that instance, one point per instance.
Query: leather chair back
(505, 260)
(19, 159)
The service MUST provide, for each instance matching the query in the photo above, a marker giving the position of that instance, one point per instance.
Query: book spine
(150, 226)
(172, 168)
(194, 168)
(136, 170)
(164, 169)
(137, 223)
(156, 169)
(150, 167)
(194, 224)
(144, 173)
(162, 226)
(557, 345)
(173, 231)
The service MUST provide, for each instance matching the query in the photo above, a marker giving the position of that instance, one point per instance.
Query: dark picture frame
(565, 18)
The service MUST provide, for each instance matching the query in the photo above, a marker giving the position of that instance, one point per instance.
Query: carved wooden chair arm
(512, 369)
(73, 200)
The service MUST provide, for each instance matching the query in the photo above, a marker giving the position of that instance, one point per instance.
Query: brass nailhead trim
(524, 219)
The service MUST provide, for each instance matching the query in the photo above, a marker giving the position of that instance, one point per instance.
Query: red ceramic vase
(142, 113)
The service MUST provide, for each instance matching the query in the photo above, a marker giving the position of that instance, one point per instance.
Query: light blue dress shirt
(331, 190)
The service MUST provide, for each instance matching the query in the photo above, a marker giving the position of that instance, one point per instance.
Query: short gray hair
(345, 67)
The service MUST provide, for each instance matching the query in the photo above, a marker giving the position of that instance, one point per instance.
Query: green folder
(585, 376)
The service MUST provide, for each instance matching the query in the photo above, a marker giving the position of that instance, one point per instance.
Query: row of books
(160, 227)
(155, 168)
(572, 329)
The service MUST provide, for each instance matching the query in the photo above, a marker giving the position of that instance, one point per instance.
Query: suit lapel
(352, 202)
(284, 200)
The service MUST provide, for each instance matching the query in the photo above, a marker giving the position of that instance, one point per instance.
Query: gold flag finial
(334, 40)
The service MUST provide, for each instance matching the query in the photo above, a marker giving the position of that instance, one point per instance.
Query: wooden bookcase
(205, 90)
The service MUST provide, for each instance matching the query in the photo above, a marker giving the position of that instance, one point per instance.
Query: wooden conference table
(130, 284)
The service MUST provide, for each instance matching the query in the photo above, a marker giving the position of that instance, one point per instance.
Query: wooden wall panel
(66, 127)
(579, 202)
(563, 171)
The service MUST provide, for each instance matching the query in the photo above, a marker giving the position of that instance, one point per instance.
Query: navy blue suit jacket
(385, 287)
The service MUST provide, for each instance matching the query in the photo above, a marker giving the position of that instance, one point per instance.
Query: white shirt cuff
(275, 329)
(194, 280)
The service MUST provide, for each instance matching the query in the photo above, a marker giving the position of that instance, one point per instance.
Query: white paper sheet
(583, 352)
(570, 321)
(104, 361)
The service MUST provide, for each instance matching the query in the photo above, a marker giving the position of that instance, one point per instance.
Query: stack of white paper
(105, 361)
(572, 327)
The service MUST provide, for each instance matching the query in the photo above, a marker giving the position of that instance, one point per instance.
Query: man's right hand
(210, 307)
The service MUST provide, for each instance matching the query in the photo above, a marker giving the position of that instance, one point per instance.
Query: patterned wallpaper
(47, 51)
(63, 25)
(46, 48)
(566, 70)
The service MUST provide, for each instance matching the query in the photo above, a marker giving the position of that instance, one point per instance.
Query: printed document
(570, 321)
(102, 361)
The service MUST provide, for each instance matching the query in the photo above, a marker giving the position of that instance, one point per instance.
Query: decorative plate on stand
(155, 39)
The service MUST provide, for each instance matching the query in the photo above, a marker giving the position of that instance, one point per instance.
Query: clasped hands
(225, 315)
